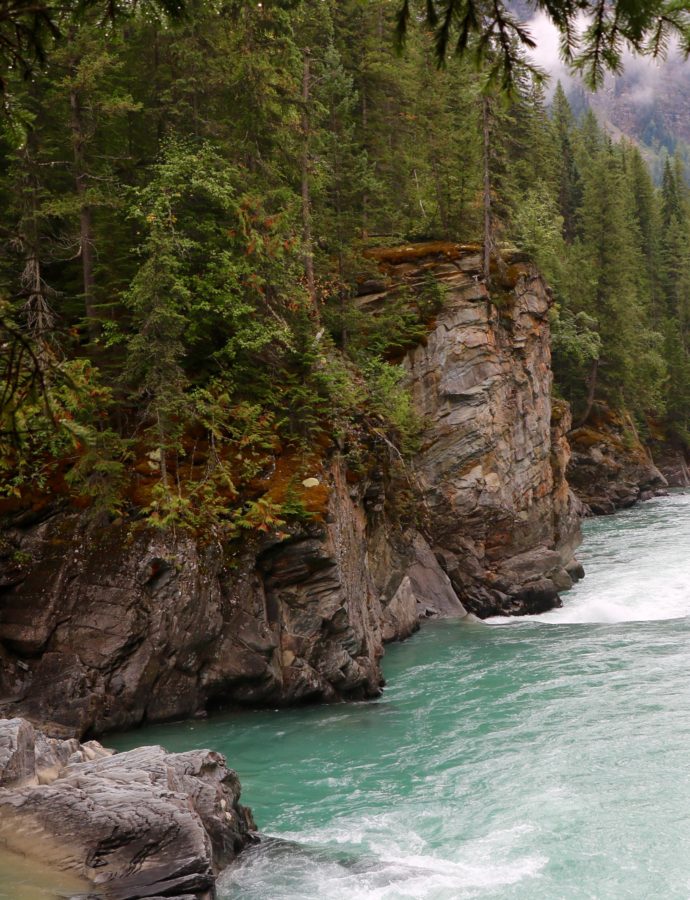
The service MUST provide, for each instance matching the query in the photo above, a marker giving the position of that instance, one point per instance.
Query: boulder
(144, 823)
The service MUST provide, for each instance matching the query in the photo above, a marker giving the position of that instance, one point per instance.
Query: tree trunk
(340, 239)
(40, 318)
(86, 242)
(442, 209)
(162, 448)
(365, 196)
(419, 193)
(307, 239)
(486, 146)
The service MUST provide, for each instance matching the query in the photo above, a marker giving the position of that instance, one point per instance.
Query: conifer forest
(189, 207)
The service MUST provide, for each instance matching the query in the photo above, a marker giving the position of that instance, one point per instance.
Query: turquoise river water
(542, 758)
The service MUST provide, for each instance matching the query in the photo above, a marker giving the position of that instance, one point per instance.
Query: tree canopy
(28, 27)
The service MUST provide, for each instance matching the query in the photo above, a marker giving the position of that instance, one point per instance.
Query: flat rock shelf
(144, 823)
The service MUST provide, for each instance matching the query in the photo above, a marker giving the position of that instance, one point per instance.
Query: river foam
(637, 565)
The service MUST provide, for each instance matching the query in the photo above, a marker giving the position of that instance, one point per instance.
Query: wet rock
(109, 627)
(575, 570)
(401, 618)
(322, 600)
(139, 824)
(536, 597)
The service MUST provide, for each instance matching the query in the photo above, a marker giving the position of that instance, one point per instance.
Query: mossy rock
(585, 437)
(559, 409)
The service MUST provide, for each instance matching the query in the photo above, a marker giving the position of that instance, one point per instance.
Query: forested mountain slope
(184, 210)
(648, 104)
(191, 215)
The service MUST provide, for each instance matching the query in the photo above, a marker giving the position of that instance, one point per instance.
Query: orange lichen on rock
(292, 479)
(510, 275)
(412, 252)
(559, 408)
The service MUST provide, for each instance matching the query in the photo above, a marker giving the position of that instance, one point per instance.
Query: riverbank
(524, 761)
(123, 826)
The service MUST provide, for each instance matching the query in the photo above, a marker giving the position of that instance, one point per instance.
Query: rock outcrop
(492, 464)
(145, 823)
(671, 461)
(610, 468)
(105, 628)
(669, 452)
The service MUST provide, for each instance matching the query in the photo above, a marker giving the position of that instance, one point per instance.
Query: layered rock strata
(145, 823)
(491, 468)
(104, 628)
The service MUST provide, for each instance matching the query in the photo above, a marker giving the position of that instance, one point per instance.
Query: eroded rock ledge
(145, 823)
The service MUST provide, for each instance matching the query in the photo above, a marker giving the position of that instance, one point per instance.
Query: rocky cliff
(140, 824)
(491, 468)
(104, 628)
(107, 627)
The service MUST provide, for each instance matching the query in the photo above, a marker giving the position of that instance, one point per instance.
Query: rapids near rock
(534, 758)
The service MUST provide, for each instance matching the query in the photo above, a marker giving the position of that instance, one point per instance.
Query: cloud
(547, 53)
(644, 78)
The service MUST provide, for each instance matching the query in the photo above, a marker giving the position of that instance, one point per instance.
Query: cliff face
(105, 628)
(492, 464)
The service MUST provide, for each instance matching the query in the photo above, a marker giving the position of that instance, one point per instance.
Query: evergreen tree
(183, 212)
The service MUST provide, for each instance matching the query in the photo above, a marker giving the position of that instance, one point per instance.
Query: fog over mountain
(648, 103)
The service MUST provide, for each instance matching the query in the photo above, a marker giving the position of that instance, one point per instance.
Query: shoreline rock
(142, 823)
(671, 462)
(610, 467)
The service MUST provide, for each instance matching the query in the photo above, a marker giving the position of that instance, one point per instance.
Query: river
(542, 758)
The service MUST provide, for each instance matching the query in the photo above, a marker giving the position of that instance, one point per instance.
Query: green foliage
(400, 323)
(538, 229)
(575, 336)
(390, 399)
(76, 433)
(163, 193)
(99, 473)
